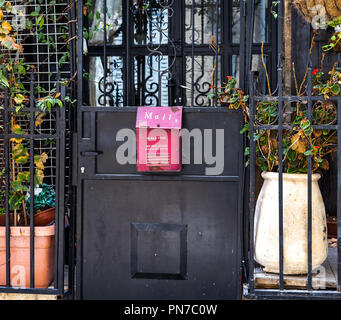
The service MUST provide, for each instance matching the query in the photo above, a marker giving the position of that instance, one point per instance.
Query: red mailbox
(158, 139)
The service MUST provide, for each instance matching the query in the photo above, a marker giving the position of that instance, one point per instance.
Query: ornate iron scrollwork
(111, 93)
(152, 24)
(163, 38)
(201, 86)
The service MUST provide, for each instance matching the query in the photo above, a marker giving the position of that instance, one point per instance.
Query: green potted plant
(19, 197)
(44, 204)
(298, 143)
(19, 205)
(14, 72)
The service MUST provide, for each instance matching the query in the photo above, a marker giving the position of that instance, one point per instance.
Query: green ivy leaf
(335, 89)
(292, 170)
(309, 152)
(3, 80)
(246, 128)
(256, 136)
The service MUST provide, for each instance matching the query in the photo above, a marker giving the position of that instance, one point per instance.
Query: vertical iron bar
(338, 194)
(249, 37)
(252, 186)
(192, 74)
(273, 26)
(244, 43)
(158, 60)
(7, 177)
(32, 180)
(202, 21)
(226, 28)
(57, 211)
(60, 187)
(309, 88)
(280, 144)
(339, 184)
(127, 54)
(252, 143)
(280, 171)
(250, 42)
(105, 52)
(80, 54)
(72, 32)
(216, 54)
(78, 218)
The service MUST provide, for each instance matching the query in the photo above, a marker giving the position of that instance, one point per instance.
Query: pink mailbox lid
(159, 117)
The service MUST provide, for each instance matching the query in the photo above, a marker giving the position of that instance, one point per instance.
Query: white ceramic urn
(295, 224)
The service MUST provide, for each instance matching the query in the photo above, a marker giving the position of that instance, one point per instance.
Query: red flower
(211, 86)
(317, 147)
(229, 77)
(315, 71)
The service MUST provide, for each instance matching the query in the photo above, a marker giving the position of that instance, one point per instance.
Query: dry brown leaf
(325, 164)
(317, 133)
(44, 157)
(298, 143)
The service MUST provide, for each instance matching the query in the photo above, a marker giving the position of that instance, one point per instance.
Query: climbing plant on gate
(15, 73)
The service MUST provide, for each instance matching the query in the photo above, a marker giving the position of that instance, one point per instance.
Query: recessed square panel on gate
(151, 250)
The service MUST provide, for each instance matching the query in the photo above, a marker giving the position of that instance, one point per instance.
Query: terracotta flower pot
(20, 256)
(41, 219)
(45, 217)
(3, 220)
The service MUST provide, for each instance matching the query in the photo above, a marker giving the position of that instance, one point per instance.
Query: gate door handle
(91, 153)
(181, 86)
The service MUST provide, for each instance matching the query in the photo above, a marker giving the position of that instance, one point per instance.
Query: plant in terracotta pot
(14, 73)
(19, 196)
(19, 207)
(14, 92)
(44, 204)
(299, 142)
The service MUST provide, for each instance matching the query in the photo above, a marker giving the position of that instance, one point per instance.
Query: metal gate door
(156, 236)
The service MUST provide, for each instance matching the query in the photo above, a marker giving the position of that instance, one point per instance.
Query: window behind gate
(159, 52)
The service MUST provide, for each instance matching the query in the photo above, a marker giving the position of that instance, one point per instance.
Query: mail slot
(158, 139)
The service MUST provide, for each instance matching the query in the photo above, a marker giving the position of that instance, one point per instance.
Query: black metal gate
(282, 288)
(158, 236)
